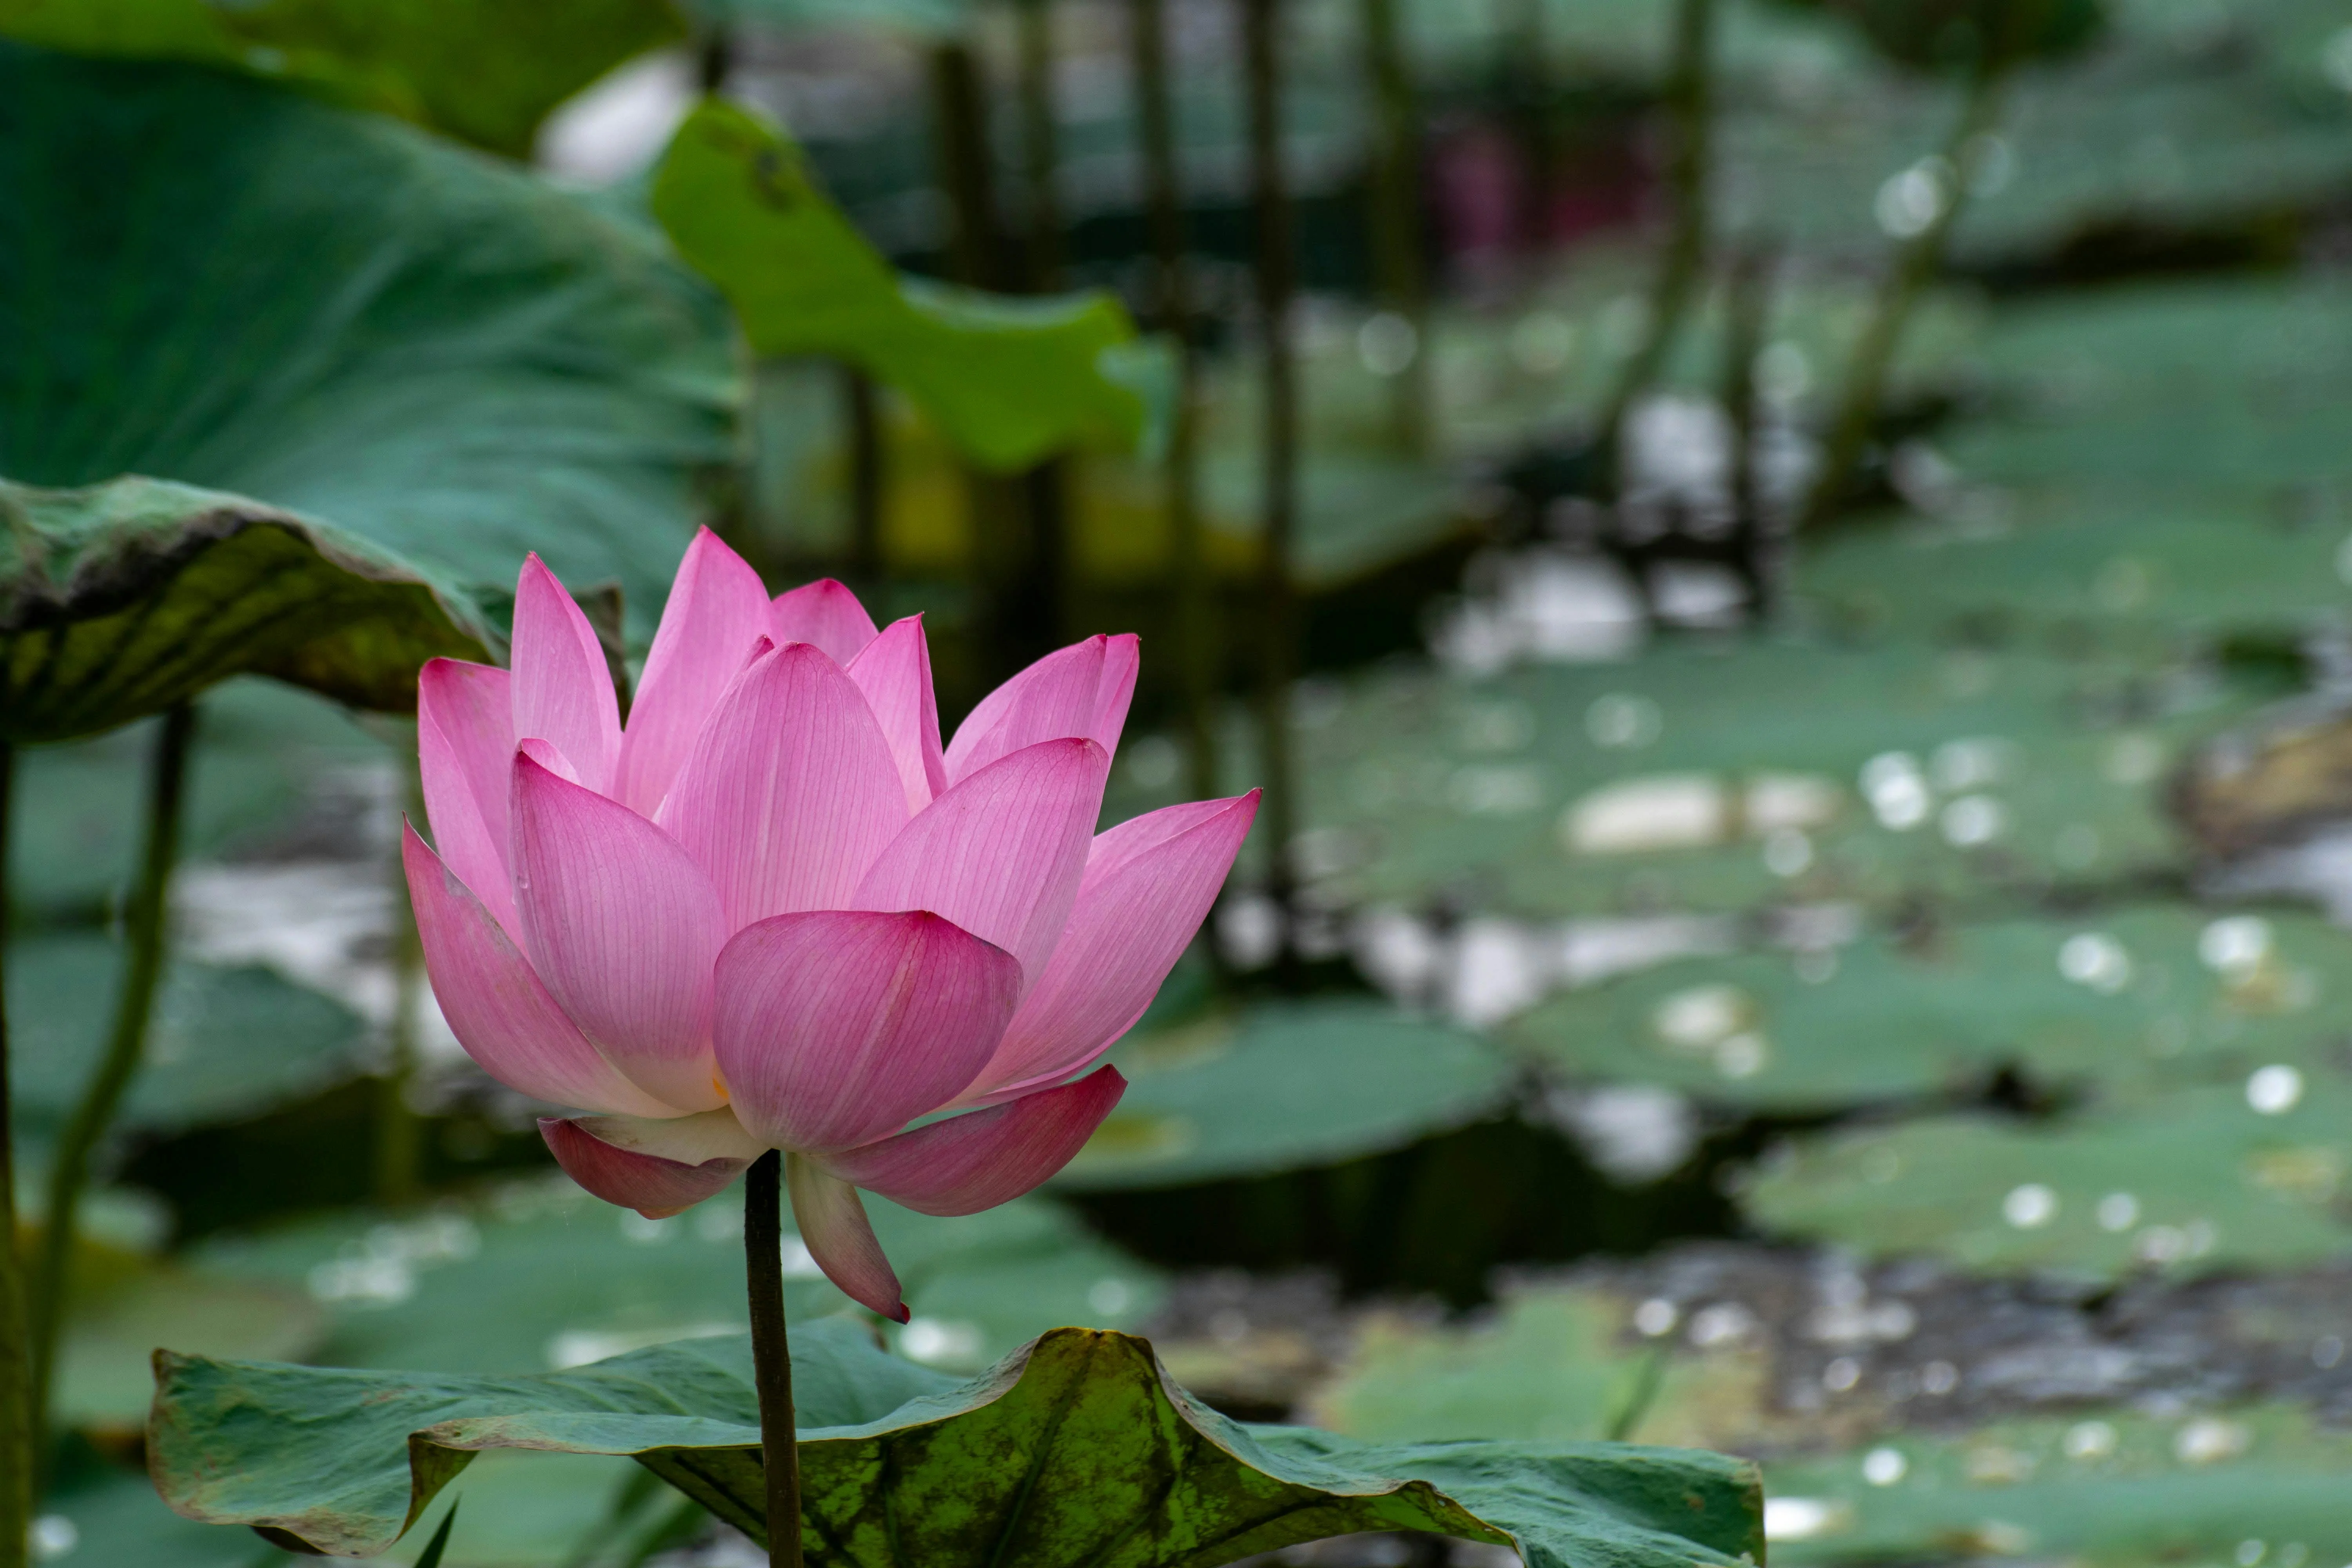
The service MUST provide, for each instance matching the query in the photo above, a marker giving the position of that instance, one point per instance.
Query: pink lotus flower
(771, 912)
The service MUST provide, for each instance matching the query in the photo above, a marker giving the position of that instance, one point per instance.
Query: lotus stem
(1276, 274)
(1683, 263)
(869, 561)
(1172, 313)
(1916, 264)
(1399, 280)
(146, 923)
(772, 1361)
(17, 1425)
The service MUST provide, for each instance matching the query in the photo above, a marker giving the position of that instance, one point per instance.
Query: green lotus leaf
(481, 71)
(1074, 1449)
(2128, 1004)
(1008, 381)
(132, 597)
(2101, 1487)
(2252, 1176)
(345, 319)
(1286, 1087)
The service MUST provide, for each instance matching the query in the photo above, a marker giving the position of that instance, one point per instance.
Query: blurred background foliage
(1785, 569)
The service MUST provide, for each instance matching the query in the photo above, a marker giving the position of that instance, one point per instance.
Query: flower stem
(145, 923)
(771, 1362)
(16, 1350)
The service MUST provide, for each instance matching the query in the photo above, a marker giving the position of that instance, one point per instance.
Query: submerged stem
(16, 1352)
(772, 1361)
(144, 930)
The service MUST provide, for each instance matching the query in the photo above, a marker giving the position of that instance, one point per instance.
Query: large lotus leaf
(2120, 565)
(541, 1275)
(1007, 381)
(130, 597)
(2172, 384)
(1074, 1449)
(1550, 1362)
(104, 1379)
(2126, 1003)
(1286, 1087)
(266, 758)
(480, 69)
(2204, 1179)
(1725, 776)
(339, 315)
(2114, 1488)
(224, 1044)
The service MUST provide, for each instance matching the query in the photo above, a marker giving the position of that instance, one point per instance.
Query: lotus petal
(716, 610)
(657, 1168)
(982, 1157)
(894, 674)
(623, 927)
(465, 754)
(834, 1226)
(1001, 853)
(1079, 691)
(823, 613)
(496, 1005)
(834, 1027)
(1148, 884)
(790, 792)
(562, 687)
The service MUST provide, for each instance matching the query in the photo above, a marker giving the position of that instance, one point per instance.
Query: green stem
(1916, 264)
(146, 923)
(16, 1423)
(1748, 303)
(772, 1359)
(1276, 267)
(397, 1129)
(1683, 263)
(863, 417)
(1040, 144)
(1399, 279)
(1171, 313)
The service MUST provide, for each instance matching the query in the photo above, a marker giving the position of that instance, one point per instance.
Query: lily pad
(127, 598)
(224, 1043)
(104, 1379)
(265, 757)
(342, 317)
(1286, 1087)
(541, 1275)
(2119, 566)
(2248, 1176)
(2107, 1488)
(1706, 777)
(1075, 1447)
(2123, 1004)
(486, 73)
(1007, 381)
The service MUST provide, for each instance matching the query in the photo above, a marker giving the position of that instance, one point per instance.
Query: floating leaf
(2200, 1180)
(342, 317)
(1286, 1087)
(2105, 1487)
(2124, 1003)
(130, 597)
(483, 71)
(1700, 777)
(224, 1043)
(1008, 381)
(266, 756)
(541, 1275)
(1074, 1449)
(103, 1375)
